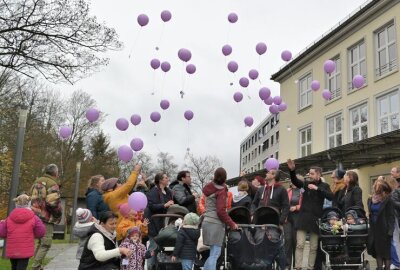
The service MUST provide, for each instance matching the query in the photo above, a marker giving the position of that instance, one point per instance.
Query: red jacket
(21, 228)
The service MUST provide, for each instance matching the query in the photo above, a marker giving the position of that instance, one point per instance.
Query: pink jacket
(21, 228)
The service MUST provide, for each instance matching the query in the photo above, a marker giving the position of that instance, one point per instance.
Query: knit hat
(132, 231)
(332, 214)
(351, 214)
(191, 219)
(83, 215)
(109, 184)
(124, 209)
(340, 173)
(22, 201)
(243, 186)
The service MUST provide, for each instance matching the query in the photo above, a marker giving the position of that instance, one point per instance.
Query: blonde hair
(22, 200)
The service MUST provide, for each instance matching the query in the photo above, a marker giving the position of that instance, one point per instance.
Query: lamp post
(74, 206)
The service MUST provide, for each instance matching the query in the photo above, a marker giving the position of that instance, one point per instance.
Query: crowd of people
(115, 236)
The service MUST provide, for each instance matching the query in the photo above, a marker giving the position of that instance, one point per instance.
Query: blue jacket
(95, 202)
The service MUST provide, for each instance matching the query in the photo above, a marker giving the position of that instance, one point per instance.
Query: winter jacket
(126, 224)
(119, 196)
(155, 205)
(313, 200)
(201, 207)
(350, 197)
(275, 196)
(295, 199)
(81, 230)
(49, 210)
(242, 199)
(183, 195)
(135, 260)
(21, 228)
(186, 242)
(396, 203)
(95, 202)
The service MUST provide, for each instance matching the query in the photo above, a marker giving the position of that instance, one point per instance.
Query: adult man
(182, 194)
(315, 192)
(46, 203)
(395, 174)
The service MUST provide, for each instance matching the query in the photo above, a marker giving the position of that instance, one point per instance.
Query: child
(186, 242)
(133, 243)
(242, 198)
(130, 218)
(333, 218)
(21, 228)
(82, 228)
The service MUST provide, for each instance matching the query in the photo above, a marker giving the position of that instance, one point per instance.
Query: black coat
(313, 201)
(396, 203)
(380, 233)
(186, 243)
(245, 201)
(349, 198)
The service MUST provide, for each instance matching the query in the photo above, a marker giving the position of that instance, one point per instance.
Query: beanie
(332, 214)
(124, 209)
(191, 219)
(132, 231)
(83, 215)
(22, 201)
(243, 186)
(340, 173)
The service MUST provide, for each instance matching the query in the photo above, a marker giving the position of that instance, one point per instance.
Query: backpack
(49, 197)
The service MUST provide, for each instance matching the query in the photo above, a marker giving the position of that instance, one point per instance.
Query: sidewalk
(63, 257)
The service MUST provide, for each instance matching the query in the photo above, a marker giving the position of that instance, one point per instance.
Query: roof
(384, 148)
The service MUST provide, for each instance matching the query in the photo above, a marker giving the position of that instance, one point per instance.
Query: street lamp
(74, 206)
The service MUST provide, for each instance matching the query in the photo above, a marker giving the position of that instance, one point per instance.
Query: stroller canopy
(266, 215)
(240, 215)
(327, 211)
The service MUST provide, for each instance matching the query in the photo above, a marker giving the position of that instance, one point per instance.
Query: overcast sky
(124, 87)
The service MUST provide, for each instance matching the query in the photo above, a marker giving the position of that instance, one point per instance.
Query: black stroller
(257, 243)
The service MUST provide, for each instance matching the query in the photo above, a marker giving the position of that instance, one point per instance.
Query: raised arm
(292, 170)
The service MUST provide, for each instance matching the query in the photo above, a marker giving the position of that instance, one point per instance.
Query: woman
(351, 195)
(381, 217)
(94, 196)
(101, 250)
(215, 217)
(338, 185)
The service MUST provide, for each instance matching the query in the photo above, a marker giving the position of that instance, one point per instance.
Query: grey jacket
(81, 230)
(183, 195)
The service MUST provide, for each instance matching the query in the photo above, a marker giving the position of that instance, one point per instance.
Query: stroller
(344, 244)
(257, 243)
(166, 238)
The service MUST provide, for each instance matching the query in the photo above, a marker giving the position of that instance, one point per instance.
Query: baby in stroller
(333, 223)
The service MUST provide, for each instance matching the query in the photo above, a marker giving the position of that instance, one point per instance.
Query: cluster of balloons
(143, 19)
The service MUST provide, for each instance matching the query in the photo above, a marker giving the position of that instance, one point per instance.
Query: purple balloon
(358, 81)
(122, 124)
(315, 85)
(261, 48)
(271, 164)
(226, 50)
(155, 116)
(136, 144)
(92, 115)
(237, 97)
(233, 66)
(164, 104)
(244, 82)
(248, 121)
(155, 63)
(137, 201)
(253, 74)
(190, 69)
(188, 115)
(329, 66)
(269, 101)
(125, 153)
(136, 119)
(65, 132)
(184, 54)
(277, 100)
(232, 17)
(166, 15)
(286, 55)
(326, 94)
(274, 109)
(282, 107)
(143, 20)
(165, 66)
(264, 93)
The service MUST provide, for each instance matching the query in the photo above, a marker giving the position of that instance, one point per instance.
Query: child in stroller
(332, 223)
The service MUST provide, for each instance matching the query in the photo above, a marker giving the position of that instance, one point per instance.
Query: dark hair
(220, 176)
(158, 178)
(277, 175)
(94, 180)
(353, 176)
(181, 174)
(105, 216)
(316, 169)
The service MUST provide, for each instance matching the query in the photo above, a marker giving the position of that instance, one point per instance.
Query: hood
(21, 215)
(82, 230)
(352, 213)
(89, 190)
(193, 233)
(240, 196)
(212, 188)
(171, 186)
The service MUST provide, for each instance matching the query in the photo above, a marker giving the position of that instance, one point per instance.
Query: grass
(6, 264)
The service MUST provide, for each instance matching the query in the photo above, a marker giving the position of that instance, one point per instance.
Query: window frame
(359, 125)
(306, 92)
(304, 128)
(337, 92)
(335, 133)
(392, 66)
(350, 87)
(378, 110)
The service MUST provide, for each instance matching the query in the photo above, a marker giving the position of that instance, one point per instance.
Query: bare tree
(165, 164)
(55, 38)
(142, 158)
(202, 169)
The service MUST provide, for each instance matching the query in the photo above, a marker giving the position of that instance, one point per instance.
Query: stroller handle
(257, 226)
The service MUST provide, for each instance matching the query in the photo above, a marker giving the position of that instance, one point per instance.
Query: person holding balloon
(131, 218)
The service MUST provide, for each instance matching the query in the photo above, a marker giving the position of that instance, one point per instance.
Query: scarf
(338, 186)
(106, 233)
(268, 192)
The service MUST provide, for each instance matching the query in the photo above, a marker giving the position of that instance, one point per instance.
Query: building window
(272, 140)
(265, 145)
(388, 112)
(334, 131)
(305, 93)
(305, 141)
(277, 136)
(386, 56)
(334, 80)
(359, 123)
(277, 155)
(272, 122)
(357, 63)
(259, 149)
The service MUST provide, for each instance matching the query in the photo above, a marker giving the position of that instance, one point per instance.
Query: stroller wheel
(365, 265)
(325, 267)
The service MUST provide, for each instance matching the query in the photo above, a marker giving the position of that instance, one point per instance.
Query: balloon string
(162, 85)
(248, 93)
(155, 137)
(61, 159)
(240, 111)
(183, 79)
(188, 140)
(161, 38)
(228, 33)
(154, 83)
(134, 42)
